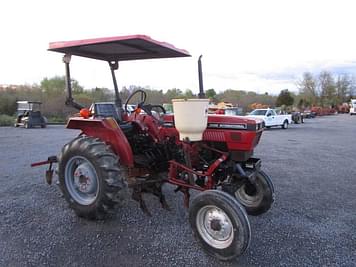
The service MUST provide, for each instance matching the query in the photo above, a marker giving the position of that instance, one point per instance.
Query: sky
(261, 46)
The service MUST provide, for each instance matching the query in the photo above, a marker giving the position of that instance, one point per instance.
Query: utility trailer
(140, 150)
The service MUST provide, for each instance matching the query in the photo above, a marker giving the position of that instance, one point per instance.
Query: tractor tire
(285, 125)
(256, 198)
(220, 224)
(90, 177)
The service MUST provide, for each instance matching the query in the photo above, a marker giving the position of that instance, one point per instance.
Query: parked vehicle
(343, 108)
(323, 111)
(308, 114)
(189, 149)
(353, 107)
(271, 118)
(230, 111)
(29, 115)
(297, 117)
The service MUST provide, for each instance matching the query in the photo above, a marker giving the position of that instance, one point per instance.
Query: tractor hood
(234, 123)
(225, 122)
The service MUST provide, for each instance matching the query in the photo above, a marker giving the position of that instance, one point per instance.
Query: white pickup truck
(271, 118)
(353, 107)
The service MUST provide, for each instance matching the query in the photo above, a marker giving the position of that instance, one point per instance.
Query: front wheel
(90, 177)
(220, 224)
(256, 198)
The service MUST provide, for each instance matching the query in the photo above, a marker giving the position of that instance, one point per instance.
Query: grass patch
(6, 120)
(56, 120)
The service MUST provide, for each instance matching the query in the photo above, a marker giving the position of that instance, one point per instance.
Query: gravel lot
(313, 221)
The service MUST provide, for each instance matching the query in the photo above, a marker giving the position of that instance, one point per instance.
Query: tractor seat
(105, 110)
(126, 127)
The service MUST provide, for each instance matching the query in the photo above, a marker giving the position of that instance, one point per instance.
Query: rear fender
(107, 130)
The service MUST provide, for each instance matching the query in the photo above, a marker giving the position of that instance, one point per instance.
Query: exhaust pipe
(200, 73)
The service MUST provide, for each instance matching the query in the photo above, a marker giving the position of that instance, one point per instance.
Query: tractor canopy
(120, 48)
(113, 50)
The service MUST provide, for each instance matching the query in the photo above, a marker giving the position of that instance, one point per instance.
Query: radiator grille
(214, 136)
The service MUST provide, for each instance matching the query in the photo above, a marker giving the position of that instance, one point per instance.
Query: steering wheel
(159, 107)
(140, 104)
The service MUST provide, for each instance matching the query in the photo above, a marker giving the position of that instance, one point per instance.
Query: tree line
(324, 89)
(51, 92)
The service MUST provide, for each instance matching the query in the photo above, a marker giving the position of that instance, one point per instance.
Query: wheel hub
(215, 226)
(81, 180)
(249, 195)
(84, 178)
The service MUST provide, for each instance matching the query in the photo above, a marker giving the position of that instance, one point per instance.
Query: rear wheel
(220, 224)
(90, 177)
(285, 124)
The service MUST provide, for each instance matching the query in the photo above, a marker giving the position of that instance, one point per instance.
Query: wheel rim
(81, 180)
(248, 197)
(285, 125)
(215, 227)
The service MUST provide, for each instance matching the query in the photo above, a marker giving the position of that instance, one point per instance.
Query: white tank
(190, 118)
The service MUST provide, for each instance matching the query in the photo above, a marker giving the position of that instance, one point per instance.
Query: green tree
(188, 93)
(210, 93)
(308, 88)
(57, 85)
(343, 87)
(173, 93)
(284, 98)
(327, 88)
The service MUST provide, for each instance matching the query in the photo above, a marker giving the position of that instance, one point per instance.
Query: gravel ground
(313, 221)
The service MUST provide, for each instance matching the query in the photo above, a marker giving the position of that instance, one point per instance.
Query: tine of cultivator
(164, 203)
(153, 187)
(137, 195)
(49, 176)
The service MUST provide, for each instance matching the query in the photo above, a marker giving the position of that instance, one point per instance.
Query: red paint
(241, 140)
(119, 48)
(108, 131)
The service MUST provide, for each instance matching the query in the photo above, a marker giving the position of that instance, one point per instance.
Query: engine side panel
(237, 132)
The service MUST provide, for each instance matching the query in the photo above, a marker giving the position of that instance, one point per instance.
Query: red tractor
(143, 149)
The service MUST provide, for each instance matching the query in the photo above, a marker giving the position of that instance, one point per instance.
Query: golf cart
(29, 114)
